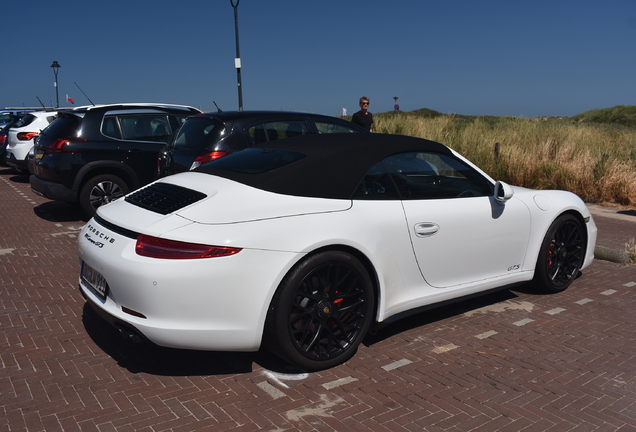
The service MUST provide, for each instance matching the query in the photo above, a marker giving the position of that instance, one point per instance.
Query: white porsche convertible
(303, 245)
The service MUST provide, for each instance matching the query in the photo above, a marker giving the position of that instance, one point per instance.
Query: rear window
(62, 127)
(25, 121)
(198, 132)
(254, 161)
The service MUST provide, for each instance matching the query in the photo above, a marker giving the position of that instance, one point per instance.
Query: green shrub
(595, 160)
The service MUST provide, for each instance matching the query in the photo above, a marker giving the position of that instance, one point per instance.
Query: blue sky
(480, 57)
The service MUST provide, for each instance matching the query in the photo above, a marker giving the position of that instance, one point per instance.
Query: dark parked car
(9, 116)
(4, 132)
(93, 155)
(209, 136)
(7, 120)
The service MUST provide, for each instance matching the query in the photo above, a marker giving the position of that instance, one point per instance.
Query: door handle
(426, 229)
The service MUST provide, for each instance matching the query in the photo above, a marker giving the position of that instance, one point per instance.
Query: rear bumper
(53, 191)
(10, 160)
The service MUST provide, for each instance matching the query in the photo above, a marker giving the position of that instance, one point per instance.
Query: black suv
(93, 155)
(209, 136)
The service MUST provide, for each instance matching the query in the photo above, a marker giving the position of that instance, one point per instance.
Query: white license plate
(94, 280)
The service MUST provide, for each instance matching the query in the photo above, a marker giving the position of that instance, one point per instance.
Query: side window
(160, 129)
(145, 128)
(326, 127)
(181, 119)
(110, 128)
(277, 130)
(257, 133)
(376, 185)
(425, 175)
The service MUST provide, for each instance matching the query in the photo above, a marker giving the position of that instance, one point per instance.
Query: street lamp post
(237, 60)
(56, 67)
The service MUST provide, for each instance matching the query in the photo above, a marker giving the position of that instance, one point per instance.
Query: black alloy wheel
(321, 311)
(101, 190)
(561, 255)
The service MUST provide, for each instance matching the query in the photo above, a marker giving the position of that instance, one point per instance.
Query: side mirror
(503, 192)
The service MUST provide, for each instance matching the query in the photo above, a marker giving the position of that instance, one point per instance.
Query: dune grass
(597, 161)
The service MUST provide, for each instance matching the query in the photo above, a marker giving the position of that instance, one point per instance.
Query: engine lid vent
(164, 198)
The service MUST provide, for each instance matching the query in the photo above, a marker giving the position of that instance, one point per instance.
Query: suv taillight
(3, 138)
(26, 136)
(205, 158)
(59, 145)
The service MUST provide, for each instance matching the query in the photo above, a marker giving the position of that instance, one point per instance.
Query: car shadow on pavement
(155, 360)
(440, 313)
(58, 211)
(16, 178)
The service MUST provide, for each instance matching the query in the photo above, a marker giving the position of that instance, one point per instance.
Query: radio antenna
(89, 99)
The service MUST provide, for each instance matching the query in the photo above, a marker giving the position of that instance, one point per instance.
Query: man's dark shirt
(364, 120)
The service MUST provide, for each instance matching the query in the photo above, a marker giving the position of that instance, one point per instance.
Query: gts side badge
(514, 267)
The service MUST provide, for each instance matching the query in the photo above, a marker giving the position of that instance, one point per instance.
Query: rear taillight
(205, 158)
(59, 145)
(26, 136)
(154, 247)
(3, 138)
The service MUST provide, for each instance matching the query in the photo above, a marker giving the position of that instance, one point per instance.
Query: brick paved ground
(511, 361)
(616, 227)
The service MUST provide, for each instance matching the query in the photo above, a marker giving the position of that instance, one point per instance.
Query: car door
(142, 137)
(459, 233)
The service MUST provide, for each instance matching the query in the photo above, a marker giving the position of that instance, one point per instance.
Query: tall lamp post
(56, 67)
(237, 60)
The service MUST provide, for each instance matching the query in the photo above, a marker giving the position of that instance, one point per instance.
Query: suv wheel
(101, 190)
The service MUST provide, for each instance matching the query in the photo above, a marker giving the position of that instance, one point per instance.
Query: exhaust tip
(131, 336)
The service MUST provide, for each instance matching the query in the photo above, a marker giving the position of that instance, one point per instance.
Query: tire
(561, 255)
(101, 190)
(321, 311)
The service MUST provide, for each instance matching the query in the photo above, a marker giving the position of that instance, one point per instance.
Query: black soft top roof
(332, 167)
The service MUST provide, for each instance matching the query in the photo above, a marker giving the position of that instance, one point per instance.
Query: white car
(21, 138)
(302, 245)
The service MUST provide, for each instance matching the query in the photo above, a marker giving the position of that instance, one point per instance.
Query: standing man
(363, 117)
